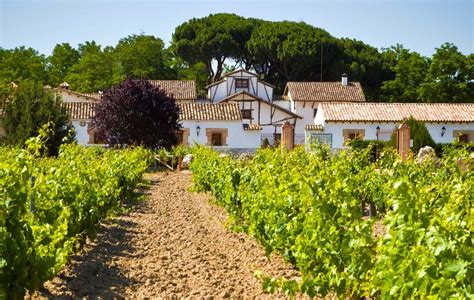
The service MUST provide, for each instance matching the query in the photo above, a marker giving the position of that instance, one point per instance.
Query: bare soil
(173, 244)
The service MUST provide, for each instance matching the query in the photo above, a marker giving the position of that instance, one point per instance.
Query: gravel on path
(173, 244)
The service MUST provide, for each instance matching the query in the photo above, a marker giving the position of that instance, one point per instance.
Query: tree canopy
(212, 39)
(204, 48)
(60, 62)
(136, 113)
(28, 109)
(143, 56)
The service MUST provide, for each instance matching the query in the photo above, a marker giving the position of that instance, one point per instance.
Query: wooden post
(404, 140)
(287, 136)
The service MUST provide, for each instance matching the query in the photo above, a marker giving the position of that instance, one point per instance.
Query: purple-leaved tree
(136, 113)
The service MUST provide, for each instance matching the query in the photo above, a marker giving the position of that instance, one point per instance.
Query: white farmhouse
(241, 111)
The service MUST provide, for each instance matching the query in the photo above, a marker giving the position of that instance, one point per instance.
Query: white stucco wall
(307, 112)
(82, 137)
(238, 138)
(265, 91)
(71, 97)
(336, 129)
(283, 104)
(267, 121)
(448, 137)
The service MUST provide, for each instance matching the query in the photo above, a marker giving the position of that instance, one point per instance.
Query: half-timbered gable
(239, 81)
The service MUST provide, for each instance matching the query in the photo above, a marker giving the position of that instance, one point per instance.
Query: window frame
(239, 83)
(244, 111)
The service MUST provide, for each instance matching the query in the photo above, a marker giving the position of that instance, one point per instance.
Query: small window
(315, 112)
(241, 83)
(352, 136)
(82, 123)
(246, 113)
(463, 138)
(216, 139)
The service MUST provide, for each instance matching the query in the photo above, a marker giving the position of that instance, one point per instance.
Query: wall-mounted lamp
(198, 129)
(377, 131)
(443, 131)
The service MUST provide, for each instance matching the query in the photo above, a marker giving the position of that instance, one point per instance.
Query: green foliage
(41, 222)
(60, 63)
(307, 206)
(420, 135)
(143, 56)
(213, 38)
(96, 70)
(278, 51)
(410, 71)
(30, 108)
(428, 247)
(450, 77)
(294, 203)
(196, 72)
(446, 78)
(288, 51)
(22, 64)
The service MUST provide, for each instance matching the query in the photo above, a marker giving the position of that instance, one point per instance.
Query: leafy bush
(47, 205)
(420, 135)
(308, 207)
(29, 109)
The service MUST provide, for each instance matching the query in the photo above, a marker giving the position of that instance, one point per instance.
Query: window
(217, 136)
(464, 136)
(315, 112)
(241, 83)
(353, 134)
(246, 113)
(216, 139)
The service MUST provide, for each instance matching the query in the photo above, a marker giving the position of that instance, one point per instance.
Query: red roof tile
(325, 91)
(396, 112)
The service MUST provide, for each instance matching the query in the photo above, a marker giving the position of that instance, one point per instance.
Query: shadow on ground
(93, 271)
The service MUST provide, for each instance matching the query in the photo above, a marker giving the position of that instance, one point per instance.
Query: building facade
(240, 112)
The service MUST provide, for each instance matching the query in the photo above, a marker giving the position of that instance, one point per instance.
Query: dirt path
(174, 243)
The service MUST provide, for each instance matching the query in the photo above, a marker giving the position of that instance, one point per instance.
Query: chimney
(344, 80)
(64, 86)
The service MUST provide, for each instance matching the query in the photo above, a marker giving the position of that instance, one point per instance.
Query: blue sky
(419, 25)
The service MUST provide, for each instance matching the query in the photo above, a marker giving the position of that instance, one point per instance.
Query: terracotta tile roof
(210, 112)
(396, 112)
(180, 89)
(89, 96)
(325, 91)
(80, 110)
(252, 127)
(314, 127)
(96, 96)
